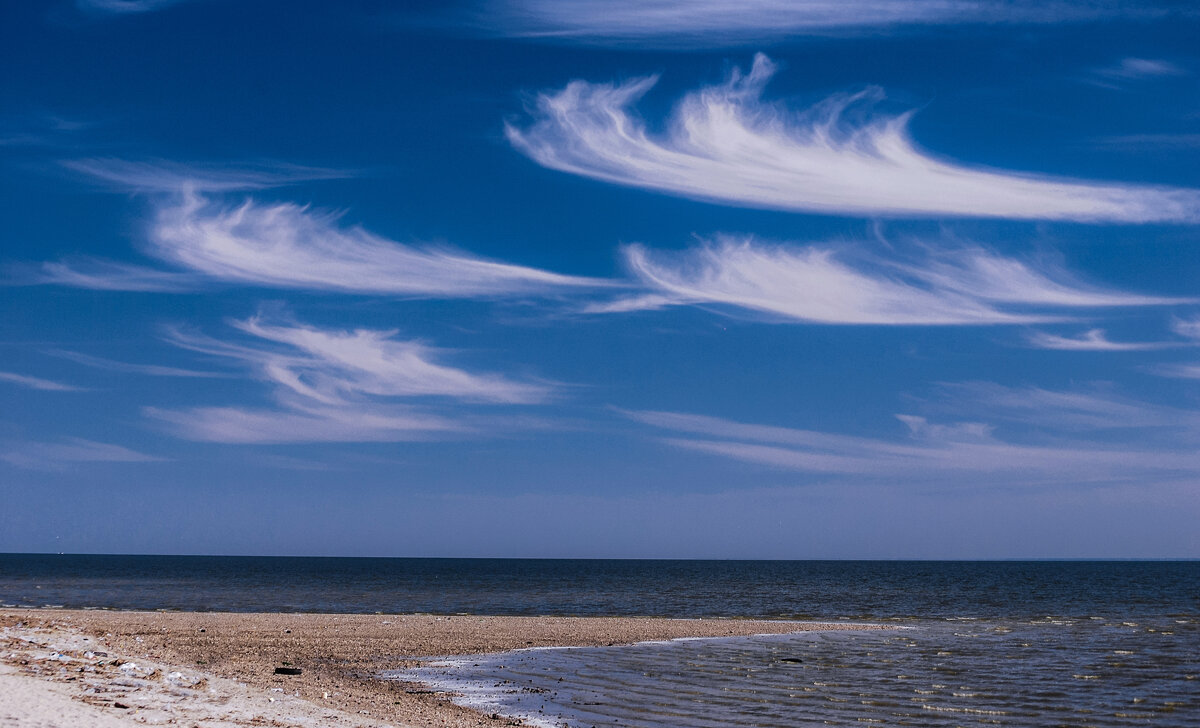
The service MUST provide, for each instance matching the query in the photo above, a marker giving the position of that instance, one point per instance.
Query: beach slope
(219, 669)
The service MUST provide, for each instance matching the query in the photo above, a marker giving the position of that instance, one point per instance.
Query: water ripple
(1016, 673)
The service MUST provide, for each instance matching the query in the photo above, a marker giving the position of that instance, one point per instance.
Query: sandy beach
(102, 668)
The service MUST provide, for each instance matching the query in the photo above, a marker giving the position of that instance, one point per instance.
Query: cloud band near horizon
(1073, 451)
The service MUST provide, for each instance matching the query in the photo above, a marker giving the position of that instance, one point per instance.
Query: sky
(913, 279)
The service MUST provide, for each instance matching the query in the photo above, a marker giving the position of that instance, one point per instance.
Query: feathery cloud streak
(823, 284)
(44, 385)
(124, 7)
(340, 386)
(1136, 69)
(56, 455)
(1091, 340)
(724, 144)
(1177, 371)
(303, 422)
(1094, 409)
(289, 246)
(948, 454)
(1189, 328)
(153, 370)
(717, 23)
(98, 274)
(161, 175)
(332, 366)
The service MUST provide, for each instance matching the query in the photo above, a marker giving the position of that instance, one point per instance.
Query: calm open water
(983, 643)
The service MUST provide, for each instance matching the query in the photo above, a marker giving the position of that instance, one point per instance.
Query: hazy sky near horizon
(905, 279)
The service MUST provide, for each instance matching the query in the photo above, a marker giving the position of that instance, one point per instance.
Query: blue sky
(616, 279)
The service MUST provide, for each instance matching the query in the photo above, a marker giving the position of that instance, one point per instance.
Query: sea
(997, 643)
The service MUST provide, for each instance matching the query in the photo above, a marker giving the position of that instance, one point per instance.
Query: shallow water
(1048, 672)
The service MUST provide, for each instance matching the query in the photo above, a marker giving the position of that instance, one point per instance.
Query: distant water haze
(823, 590)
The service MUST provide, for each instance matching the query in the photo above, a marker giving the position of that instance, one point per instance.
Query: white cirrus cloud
(848, 285)
(284, 245)
(1091, 340)
(333, 366)
(1136, 69)
(1093, 408)
(333, 385)
(290, 246)
(1177, 371)
(45, 385)
(124, 7)
(161, 175)
(153, 370)
(99, 274)
(1188, 328)
(688, 24)
(246, 426)
(955, 453)
(724, 144)
(58, 455)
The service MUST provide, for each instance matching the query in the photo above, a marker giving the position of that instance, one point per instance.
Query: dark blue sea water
(978, 643)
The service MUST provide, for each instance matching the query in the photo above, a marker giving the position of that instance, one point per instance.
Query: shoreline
(342, 656)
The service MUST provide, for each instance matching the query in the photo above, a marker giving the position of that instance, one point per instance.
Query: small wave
(848, 678)
(968, 711)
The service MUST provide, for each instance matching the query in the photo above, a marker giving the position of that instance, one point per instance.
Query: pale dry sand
(217, 669)
(53, 675)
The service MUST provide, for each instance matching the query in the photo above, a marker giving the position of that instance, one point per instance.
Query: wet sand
(340, 656)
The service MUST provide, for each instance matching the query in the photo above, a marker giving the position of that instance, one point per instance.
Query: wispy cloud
(242, 426)
(290, 246)
(1188, 328)
(1095, 408)
(45, 385)
(58, 455)
(1135, 69)
(1091, 340)
(124, 7)
(956, 453)
(160, 175)
(332, 366)
(37, 129)
(725, 144)
(681, 24)
(153, 370)
(99, 274)
(1177, 371)
(847, 285)
(342, 386)
(1162, 141)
